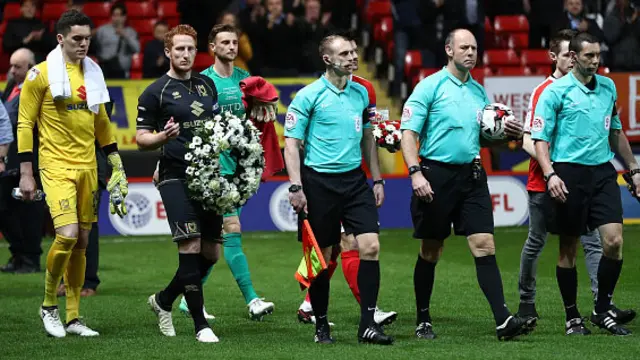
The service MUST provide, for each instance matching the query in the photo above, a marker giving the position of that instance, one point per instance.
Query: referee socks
(608, 274)
(369, 284)
(319, 295)
(568, 284)
(491, 284)
(423, 279)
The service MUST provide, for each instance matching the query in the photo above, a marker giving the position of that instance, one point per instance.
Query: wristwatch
(381, 182)
(634, 171)
(549, 176)
(295, 188)
(4, 159)
(414, 169)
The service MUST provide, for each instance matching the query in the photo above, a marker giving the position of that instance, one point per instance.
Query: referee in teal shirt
(329, 184)
(577, 114)
(444, 113)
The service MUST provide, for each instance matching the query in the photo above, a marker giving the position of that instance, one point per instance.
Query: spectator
(116, 44)
(250, 21)
(155, 62)
(542, 16)
(20, 222)
(27, 32)
(574, 18)
(78, 5)
(467, 14)
(622, 35)
(312, 28)
(192, 12)
(280, 51)
(245, 51)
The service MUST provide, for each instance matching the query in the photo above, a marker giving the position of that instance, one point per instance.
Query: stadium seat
(412, 63)
(391, 45)
(11, 11)
(422, 74)
(386, 29)
(477, 74)
(168, 9)
(535, 57)
(173, 21)
(510, 24)
(494, 58)
(486, 71)
(202, 61)
(488, 28)
(52, 12)
(518, 41)
(3, 28)
(136, 62)
(143, 26)
(97, 22)
(512, 71)
(603, 70)
(376, 10)
(136, 75)
(96, 10)
(140, 10)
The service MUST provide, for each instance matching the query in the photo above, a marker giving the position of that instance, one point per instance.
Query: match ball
(493, 119)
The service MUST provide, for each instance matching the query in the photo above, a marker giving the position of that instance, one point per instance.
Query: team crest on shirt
(406, 114)
(33, 74)
(202, 91)
(176, 95)
(358, 122)
(537, 124)
(290, 120)
(607, 123)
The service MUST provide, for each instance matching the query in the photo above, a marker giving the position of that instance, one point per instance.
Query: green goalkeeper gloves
(118, 187)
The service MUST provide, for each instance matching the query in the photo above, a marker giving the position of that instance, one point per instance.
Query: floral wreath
(206, 184)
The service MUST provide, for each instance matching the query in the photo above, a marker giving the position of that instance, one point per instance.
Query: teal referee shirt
(329, 121)
(577, 119)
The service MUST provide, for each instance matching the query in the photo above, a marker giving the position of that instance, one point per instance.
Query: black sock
(369, 284)
(168, 295)
(568, 284)
(189, 274)
(491, 284)
(205, 266)
(423, 278)
(608, 273)
(319, 296)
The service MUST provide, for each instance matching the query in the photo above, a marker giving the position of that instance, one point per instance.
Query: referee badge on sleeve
(33, 74)
(290, 120)
(537, 124)
(406, 114)
(607, 122)
(358, 122)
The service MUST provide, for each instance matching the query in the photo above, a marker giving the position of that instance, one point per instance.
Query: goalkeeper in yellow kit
(68, 124)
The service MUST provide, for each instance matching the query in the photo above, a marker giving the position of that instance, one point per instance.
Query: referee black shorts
(593, 199)
(187, 219)
(458, 199)
(333, 198)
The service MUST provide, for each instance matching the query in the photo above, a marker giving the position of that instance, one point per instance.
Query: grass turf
(132, 268)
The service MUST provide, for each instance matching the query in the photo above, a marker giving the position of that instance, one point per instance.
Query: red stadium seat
(136, 62)
(518, 41)
(511, 23)
(202, 61)
(135, 75)
(143, 26)
(486, 71)
(535, 57)
(494, 58)
(422, 74)
(412, 63)
(11, 11)
(97, 10)
(386, 29)
(3, 28)
(137, 10)
(168, 9)
(389, 49)
(52, 12)
(97, 22)
(603, 70)
(477, 74)
(376, 10)
(488, 28)
(172, 21)
(512, 71)
(543, 70)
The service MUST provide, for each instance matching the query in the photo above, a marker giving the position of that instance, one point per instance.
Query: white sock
(306, 306)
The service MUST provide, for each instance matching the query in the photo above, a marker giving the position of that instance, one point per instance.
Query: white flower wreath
(218, 193)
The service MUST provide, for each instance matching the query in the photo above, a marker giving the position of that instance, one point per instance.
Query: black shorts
(338, 197)
(458, 199)
(187, 219)
(593, 199)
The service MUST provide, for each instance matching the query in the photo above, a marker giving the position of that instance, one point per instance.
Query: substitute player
(223, 41)
(577, 114)
(70, 116)
(444, 113)
(327, 116)
(168, 111)
(349, 255)
(536, 186)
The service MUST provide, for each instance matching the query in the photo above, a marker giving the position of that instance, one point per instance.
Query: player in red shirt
(537, 187)
(348, 247)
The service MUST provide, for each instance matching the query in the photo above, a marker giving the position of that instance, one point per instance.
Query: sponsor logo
(509, 199)
(282, 214)
(79, 106)
(290, 120)
(82, 92)
(33, 74)
(176, 95)
(196, 108)
(202, 91)
(607, 122)
(406, 114)
(139, 213)
(537, 124)
(358, 122)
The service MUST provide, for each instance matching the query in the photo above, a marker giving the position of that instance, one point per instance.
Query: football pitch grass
(132, 268)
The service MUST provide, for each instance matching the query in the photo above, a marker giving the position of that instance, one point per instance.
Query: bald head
(462, 49)
(21, 61)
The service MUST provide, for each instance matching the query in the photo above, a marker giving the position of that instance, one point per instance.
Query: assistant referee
(330, 185)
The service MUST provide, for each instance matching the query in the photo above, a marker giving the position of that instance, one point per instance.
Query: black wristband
(26, 157)
(108, 149)
(380, 182)
(414, 169)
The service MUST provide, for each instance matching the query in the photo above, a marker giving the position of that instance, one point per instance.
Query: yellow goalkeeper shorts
(72, 195)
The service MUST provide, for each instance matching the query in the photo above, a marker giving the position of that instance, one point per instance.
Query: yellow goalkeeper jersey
(67, 129)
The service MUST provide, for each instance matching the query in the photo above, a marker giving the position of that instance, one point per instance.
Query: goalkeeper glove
(265, 112)
(117, 186)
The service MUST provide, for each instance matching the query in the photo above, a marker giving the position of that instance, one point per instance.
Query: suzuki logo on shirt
(82, 93)
(196, 108)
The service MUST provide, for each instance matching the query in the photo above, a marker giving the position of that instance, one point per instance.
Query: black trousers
(91, 279)
(21, 223)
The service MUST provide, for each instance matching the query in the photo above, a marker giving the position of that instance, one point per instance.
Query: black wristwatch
(381, 182)
(634, 171)
(414, 169)
(547, 177)
(295, 188)
(4, 159)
